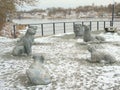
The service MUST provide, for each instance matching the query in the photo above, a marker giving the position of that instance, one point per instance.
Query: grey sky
(43, 4)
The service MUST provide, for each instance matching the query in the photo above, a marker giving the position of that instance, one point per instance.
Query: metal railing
(65, 27)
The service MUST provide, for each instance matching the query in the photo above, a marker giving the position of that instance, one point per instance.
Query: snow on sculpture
(88, 37)
(100, 56)
(78, 30)
(24, 45)
(37, 73)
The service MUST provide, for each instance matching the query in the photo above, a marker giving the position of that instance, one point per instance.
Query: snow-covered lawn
(65, 58)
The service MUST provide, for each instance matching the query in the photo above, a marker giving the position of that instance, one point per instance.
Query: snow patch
(66, 63)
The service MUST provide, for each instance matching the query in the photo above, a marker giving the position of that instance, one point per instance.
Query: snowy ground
(65, 57)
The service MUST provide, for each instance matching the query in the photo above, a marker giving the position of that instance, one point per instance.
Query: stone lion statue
(37, 73)
(24, 45)
(100, 56)
(88, 37)
(78, 30)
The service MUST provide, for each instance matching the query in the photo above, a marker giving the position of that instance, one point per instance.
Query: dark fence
(45, 29)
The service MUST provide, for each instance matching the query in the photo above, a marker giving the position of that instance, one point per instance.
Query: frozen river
(36, 20)
(57, 26)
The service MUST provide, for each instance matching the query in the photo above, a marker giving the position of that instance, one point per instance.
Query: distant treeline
(99, 9)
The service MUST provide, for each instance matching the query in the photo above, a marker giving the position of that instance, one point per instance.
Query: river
(37, 20)
(48, 28)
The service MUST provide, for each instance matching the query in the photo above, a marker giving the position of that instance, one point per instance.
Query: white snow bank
(63, 34)
(66, 63)
(111, 36)
(7, 40)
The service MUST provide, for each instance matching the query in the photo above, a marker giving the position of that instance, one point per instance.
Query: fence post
(64, 28)
(42, 29)
(90, 25)
(82, 23)
(73, 26)
(97, 25)
(53, 28)
(104, 24)
(14, 31)
(111, 23)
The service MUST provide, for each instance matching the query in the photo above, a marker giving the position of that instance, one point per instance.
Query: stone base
(110, 29)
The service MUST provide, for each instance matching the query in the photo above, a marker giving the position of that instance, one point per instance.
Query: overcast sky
(43, 4)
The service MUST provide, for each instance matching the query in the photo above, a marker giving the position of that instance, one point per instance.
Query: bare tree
(9, 6)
